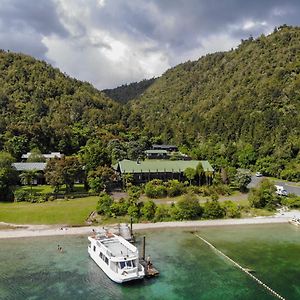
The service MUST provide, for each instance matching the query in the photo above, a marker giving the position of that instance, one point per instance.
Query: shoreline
(19, 231)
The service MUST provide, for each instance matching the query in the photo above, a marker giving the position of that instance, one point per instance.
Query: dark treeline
(127, 92)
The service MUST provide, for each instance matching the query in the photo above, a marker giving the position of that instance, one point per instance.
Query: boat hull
(116, 277)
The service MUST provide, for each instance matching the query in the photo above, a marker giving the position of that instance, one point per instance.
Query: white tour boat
(118, 259)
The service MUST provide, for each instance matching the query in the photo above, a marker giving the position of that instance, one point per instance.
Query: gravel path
(53, 230)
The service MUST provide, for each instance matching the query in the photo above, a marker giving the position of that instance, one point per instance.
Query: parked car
(280, 191)
(258, 174)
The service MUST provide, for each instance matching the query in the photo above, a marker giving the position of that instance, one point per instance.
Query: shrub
(263, 195)
(148, 210)
(175, 188)
(119, 208)
(134, 192)
(231, 209)
(21, 195)
(221, 189)
(104, 204)
(290, 174)
(242, 179)
(155, 189)
(133, 212)
(162, 213)
(213, 210)
(292, 201)
(188, 208)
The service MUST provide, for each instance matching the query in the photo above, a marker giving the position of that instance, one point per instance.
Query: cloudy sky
(112, 42)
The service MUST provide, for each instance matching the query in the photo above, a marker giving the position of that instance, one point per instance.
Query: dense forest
(243, 104)
(127, 92)
(240, 108)
(41, 107)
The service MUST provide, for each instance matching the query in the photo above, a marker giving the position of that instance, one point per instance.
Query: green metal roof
(160, 166)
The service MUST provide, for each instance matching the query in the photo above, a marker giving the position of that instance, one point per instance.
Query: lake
(32, 268)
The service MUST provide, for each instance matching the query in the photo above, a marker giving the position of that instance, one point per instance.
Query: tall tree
(190, 174)
(8, 176)
(28, 177)
(64, 171)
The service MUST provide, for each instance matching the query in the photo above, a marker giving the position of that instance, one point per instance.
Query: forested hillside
(247, 98)
(127, 92)
(41, 107)
(239, 108)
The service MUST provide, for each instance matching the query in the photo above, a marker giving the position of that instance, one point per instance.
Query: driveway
(290, 187)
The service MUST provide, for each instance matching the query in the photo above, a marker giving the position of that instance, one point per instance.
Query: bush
(188, 208)
(174, 188)
(119, 208)
(221, 189)
(104, 204)
(292, 201)
(155, 189)
(134, 192)
(231, 209)
(290, 174)
(148, 210)
(242, 179)
(134, 212)
(263, 196)
(162, 213)
(21, 195)
(213, 210)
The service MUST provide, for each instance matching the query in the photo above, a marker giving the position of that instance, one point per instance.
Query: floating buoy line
(247, 271)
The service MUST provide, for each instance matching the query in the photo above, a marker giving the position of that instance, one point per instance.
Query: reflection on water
(32, 268)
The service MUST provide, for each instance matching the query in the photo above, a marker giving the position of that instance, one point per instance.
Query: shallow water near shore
(32, 268)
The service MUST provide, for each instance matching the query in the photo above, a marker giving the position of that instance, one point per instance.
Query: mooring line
(241, 268)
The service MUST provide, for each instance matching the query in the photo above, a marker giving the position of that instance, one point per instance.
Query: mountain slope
(40, 106)
(127, 92)
(249, 95)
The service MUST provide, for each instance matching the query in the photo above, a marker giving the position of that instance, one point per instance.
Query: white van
(280, 191)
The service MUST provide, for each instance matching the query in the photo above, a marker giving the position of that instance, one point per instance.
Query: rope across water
(241, 268)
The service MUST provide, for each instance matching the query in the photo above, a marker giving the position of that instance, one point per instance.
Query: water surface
(32, 268)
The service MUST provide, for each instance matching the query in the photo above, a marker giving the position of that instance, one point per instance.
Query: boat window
(94, 248)
(106, 260)
(129, 264)
(122, 264)
(133, 263)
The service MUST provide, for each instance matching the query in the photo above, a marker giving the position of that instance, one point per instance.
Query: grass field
(71, 212)
(47, 189)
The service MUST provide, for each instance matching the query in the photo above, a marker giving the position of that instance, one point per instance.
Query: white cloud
(112, 42)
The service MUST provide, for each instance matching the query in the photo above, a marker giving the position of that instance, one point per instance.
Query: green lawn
(71, 212)
(47, 189)
(41, 189)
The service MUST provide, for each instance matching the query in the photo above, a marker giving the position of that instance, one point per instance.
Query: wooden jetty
(150, 270)
(245, 270)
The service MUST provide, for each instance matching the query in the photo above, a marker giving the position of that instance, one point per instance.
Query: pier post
(143, 248)
(131, 232)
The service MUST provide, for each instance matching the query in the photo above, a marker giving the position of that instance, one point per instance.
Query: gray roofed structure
(47, 156)
(29, 166)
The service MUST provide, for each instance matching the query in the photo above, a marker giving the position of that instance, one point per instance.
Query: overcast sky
(112, 42)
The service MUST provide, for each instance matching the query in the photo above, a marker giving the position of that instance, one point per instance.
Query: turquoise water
(31, 268)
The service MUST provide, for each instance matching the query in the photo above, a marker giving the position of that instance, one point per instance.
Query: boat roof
(118, 246)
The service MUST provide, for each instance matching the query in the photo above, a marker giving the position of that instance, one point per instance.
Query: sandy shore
(16, 231)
